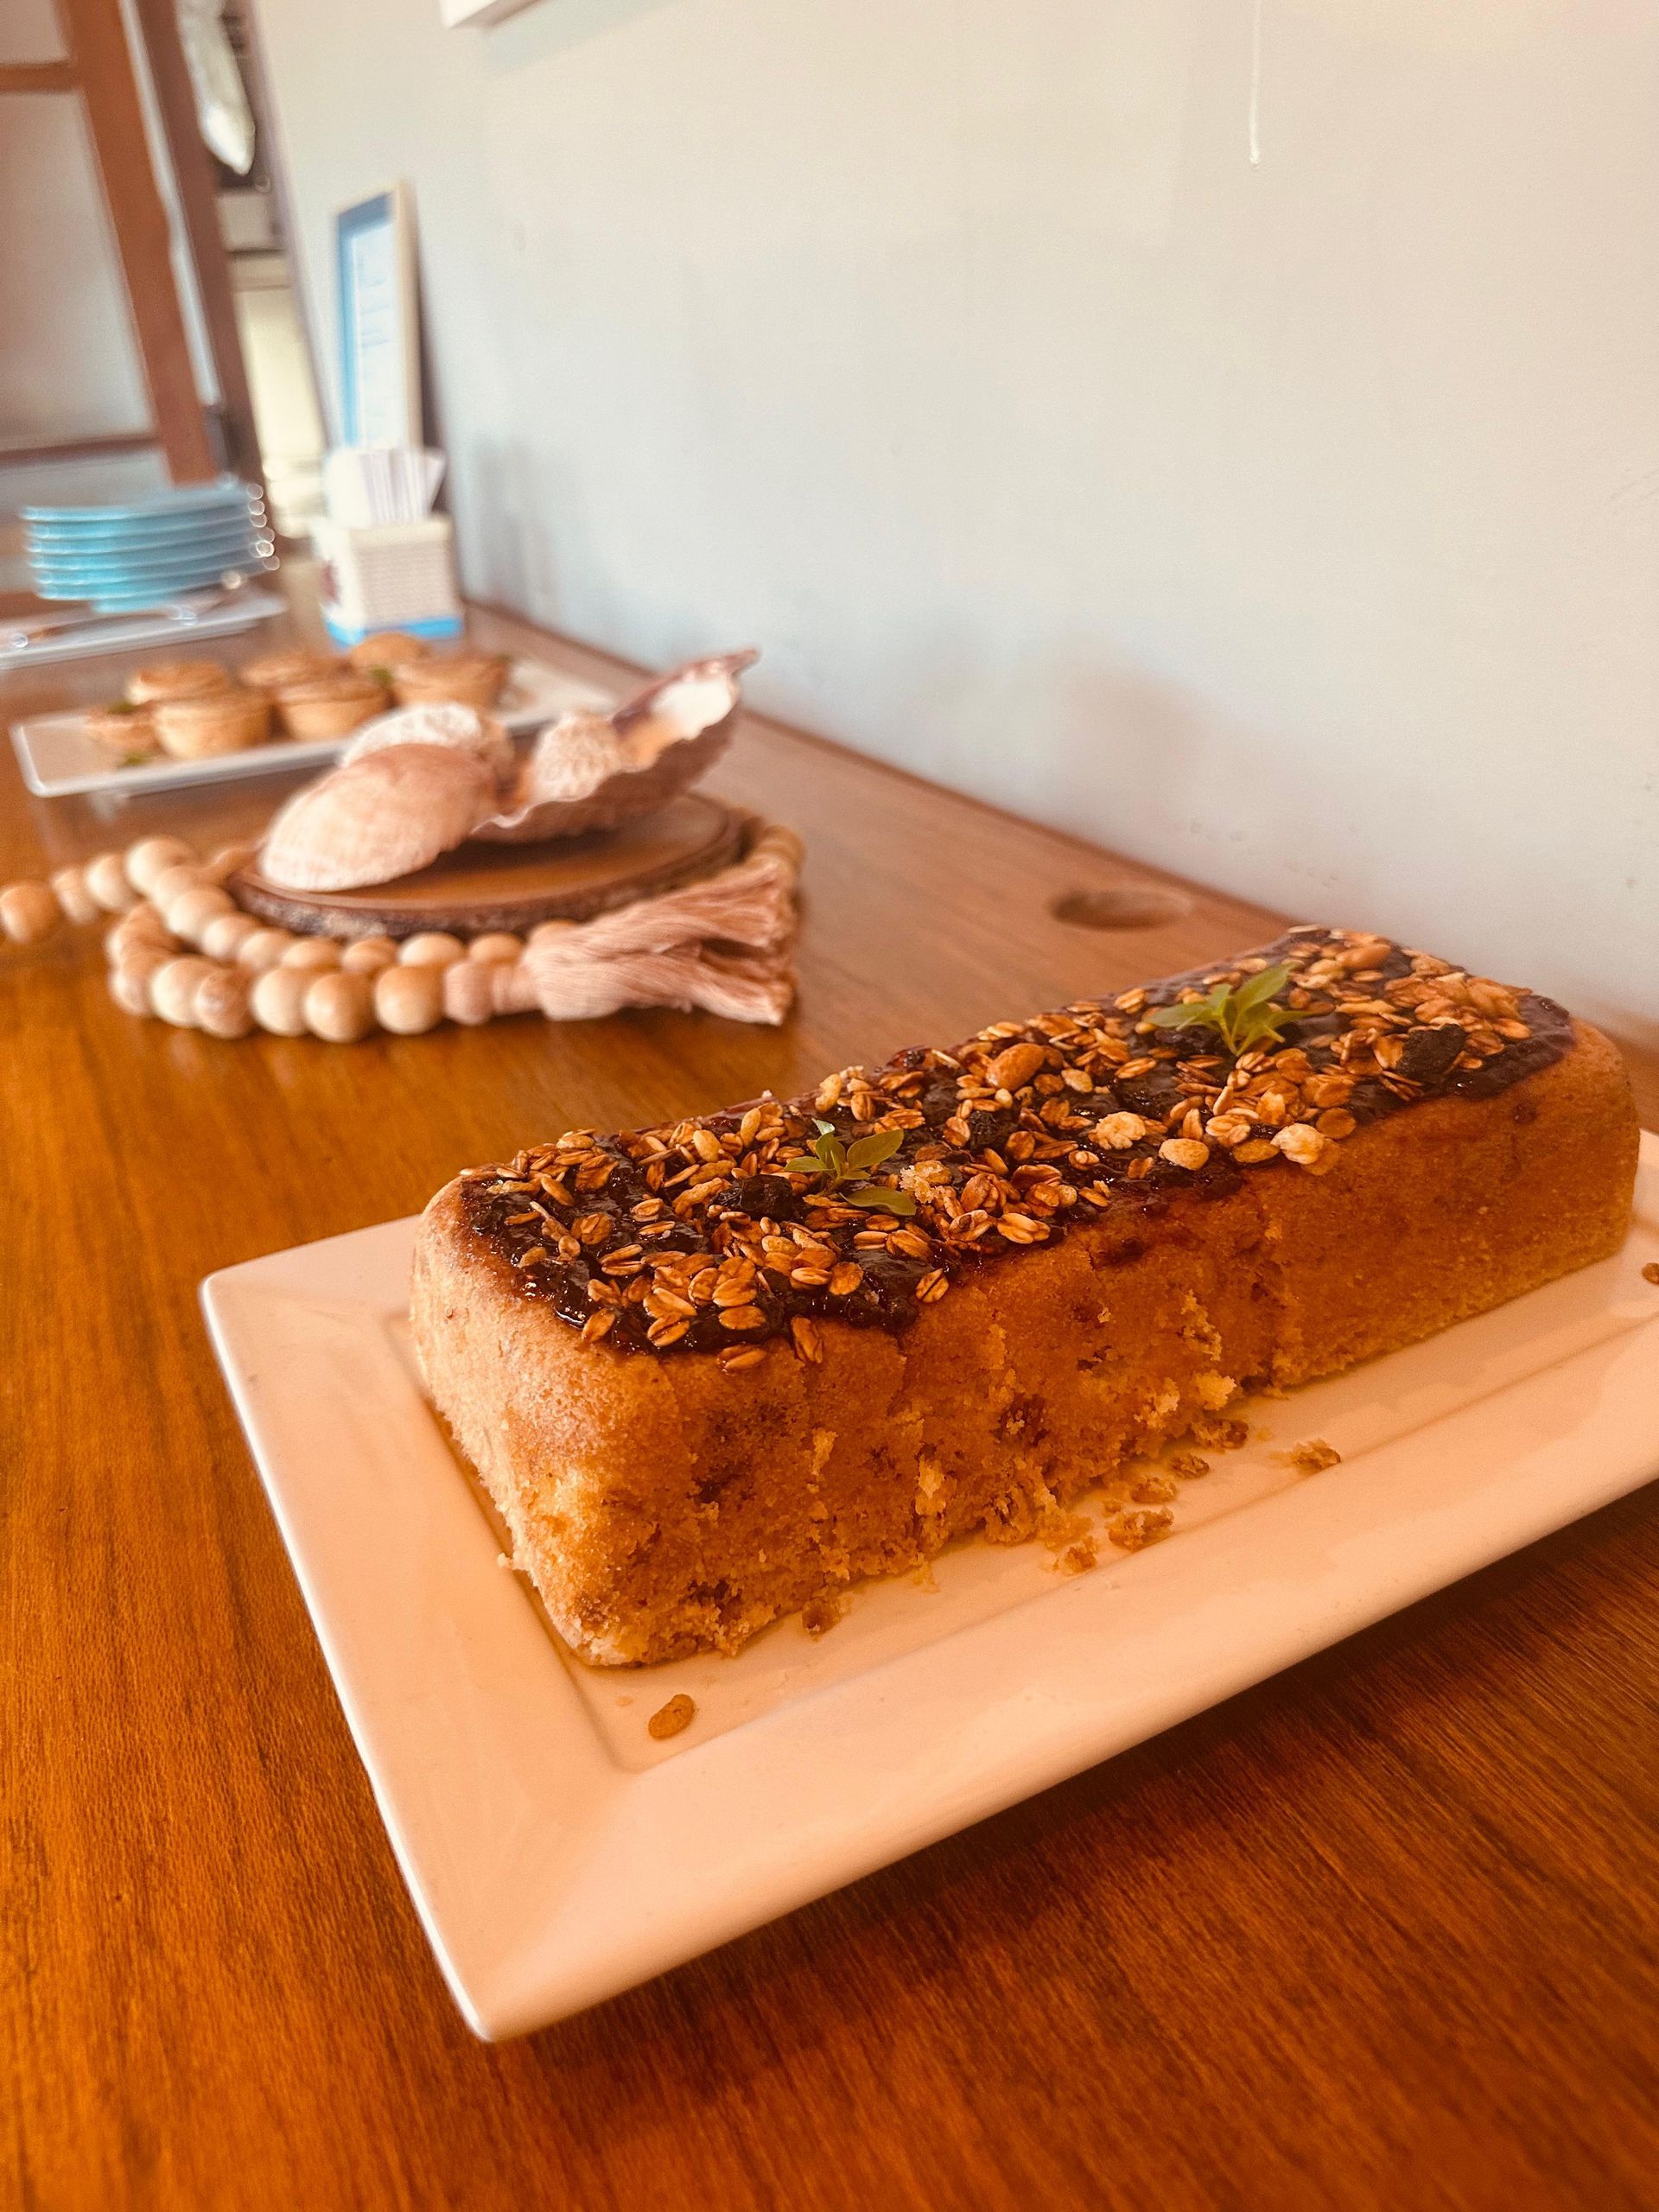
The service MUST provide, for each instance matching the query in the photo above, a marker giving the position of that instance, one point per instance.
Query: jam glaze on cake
(693, 1237)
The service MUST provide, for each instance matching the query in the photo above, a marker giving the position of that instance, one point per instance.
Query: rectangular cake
(713, 1372)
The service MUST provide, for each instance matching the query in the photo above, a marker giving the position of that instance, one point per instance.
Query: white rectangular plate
(557, 1854)
(79, 637)
(59, 760)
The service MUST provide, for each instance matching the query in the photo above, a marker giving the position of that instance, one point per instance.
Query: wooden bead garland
(180, 949)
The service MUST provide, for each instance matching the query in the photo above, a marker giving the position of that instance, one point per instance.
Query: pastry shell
(276, 672)
(471, 679)
(330, 706)
(124, 733)
(386, 648)
(219, 722)
(178, 679)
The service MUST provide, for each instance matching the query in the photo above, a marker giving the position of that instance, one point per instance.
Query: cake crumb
(1078, 1558)
(1189, 1465)
(924, 1577)
(1155, 1487)
(1056, 1529)
(820, 1614)
(1133, 1532)
(1214, 1434)
(1312, 1457)
(669, 1719)
(1650, 1273)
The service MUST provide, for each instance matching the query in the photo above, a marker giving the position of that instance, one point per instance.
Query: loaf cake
(713, 1372)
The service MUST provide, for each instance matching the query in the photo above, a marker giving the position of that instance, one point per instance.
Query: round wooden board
(480, 886)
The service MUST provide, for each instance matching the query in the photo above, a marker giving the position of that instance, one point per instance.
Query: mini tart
(330, 706)
(277, 672)
(472, 679)
(221, 722)
(387, 649)
(178, 679)
(124, 733)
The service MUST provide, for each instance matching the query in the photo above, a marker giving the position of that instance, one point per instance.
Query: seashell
(444, 721)
(372, 819)
(591, 772)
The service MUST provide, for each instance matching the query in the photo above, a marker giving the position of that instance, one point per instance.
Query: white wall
(1292, 525)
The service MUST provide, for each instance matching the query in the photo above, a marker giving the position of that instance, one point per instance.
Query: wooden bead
(278, 1001)
(228, 859)
(468, 991)
(190, 913)
(432, 948)
(144, 926)
(129, 977)
(408, 1001)
(264, 949)
(226, 934)
(367, 956)
(312, 952)
(183, 875)
(146, 860)
(224, 1003)
(544, 930)
(495, 945)
(69, 889)
(174, 985)
(339, 1008)
(29, 913)
(106, 880)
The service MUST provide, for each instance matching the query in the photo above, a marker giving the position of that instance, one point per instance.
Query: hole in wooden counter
(1121, 906)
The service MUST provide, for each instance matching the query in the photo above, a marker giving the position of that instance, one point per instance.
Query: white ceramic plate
(60, 760)
(557, 1854)
(183, 621)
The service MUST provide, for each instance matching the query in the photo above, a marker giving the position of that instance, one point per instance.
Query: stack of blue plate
(188, 539)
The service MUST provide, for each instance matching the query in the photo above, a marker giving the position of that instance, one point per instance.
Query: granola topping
(707, 1235)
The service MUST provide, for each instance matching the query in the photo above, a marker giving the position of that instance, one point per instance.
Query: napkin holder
(388, 576)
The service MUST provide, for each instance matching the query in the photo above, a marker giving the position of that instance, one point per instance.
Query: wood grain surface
(1379, 1933)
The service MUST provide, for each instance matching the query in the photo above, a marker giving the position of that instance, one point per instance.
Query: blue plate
(139, 569)
(178, 500)
(144, 557)
(139, 601)
(141, 537)
(151, 590)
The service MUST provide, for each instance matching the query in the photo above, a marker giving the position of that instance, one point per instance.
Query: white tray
(557, 1854)
(181, 623)
(59, 760)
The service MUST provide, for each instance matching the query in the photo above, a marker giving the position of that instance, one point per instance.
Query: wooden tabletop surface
(1379, 1932)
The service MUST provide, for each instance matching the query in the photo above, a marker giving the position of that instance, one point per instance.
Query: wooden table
(1380, 1932)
